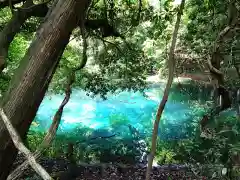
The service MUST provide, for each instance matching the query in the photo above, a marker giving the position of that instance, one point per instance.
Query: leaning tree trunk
(32, 78)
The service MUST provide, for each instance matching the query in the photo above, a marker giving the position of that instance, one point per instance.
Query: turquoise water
(134, 108)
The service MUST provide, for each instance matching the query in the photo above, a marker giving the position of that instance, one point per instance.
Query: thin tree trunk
(13, 27)
(32, 78)
(171, 65)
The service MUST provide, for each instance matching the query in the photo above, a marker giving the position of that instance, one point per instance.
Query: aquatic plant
(118, 120)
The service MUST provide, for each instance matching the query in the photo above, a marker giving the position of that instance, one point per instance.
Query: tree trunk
(32, 78)
(217, 57)
(13, 26)
(171, 66)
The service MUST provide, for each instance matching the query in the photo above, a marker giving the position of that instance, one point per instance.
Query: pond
(122, 110)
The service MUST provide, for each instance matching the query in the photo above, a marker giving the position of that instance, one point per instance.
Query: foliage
(117, 149)
(204, 21)
(116, 121)
(219, 148)
(218, 151)
(5, 15)
(16, 52)
(113, 62)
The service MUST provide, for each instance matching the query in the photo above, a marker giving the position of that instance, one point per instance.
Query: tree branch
(212, 68)
(106, 29)
(20, 146)
(161, 106)
(13, 27)
(33, 6)
(113, 44)
(84, 54)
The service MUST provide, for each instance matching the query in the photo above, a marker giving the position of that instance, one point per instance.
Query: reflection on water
(132, 108)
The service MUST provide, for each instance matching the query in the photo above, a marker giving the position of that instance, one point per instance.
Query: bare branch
(20, 146)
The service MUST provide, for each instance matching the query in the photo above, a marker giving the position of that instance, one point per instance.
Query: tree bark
(32, 78)
(58, 115)
(13, 27)
(171, 66)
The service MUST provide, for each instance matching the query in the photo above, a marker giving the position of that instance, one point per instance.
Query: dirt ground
(62, 169)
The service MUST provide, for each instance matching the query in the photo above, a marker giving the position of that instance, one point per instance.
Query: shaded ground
(63, 170)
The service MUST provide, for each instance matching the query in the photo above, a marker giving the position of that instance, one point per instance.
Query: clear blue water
(132, 108)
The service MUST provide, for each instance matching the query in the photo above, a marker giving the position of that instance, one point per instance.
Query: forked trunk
(32, 78)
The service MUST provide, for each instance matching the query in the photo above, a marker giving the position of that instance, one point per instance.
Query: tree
(210, 28)
(171, 65)
(31, 80)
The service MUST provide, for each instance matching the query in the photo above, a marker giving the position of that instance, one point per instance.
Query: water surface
(124, 108)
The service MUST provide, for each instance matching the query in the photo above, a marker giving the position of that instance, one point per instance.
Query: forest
(119, 89)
